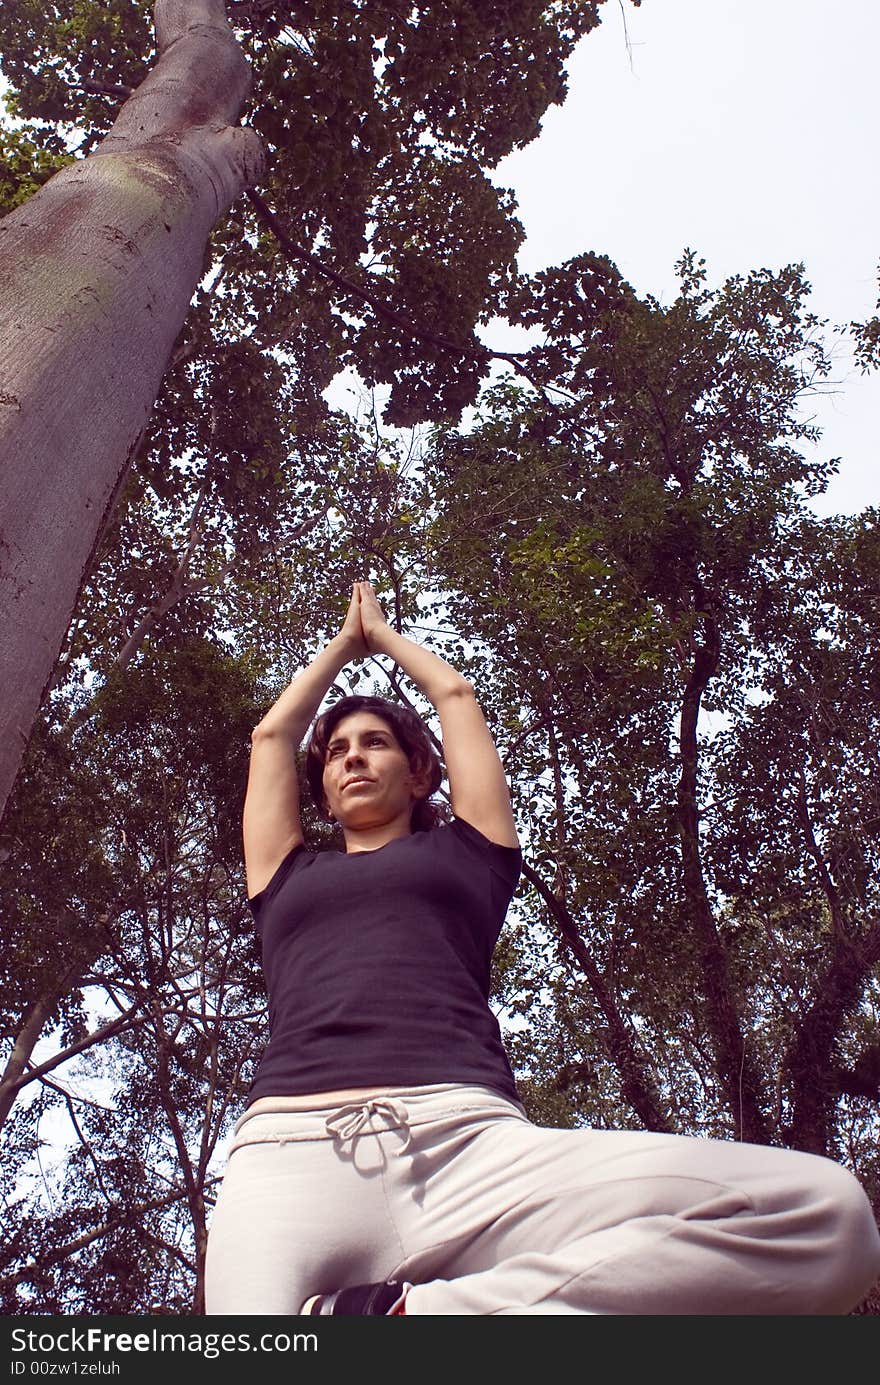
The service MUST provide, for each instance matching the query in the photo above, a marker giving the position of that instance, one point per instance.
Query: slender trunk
(636, 1084)
(25, 1042)
(97, 271)
(735, 1067)
(813, 1061)
(13, 1078)
(193, 1178)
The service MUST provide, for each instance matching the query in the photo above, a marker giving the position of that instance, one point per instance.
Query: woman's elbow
(457, 687)
(266, 730)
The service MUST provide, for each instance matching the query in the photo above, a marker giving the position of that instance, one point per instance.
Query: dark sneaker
(363, 1300)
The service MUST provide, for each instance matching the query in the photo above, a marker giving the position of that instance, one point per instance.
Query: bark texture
(735, 1066)
(96, 274)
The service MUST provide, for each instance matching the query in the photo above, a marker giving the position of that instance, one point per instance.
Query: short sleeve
(503, 861)
(257, 902)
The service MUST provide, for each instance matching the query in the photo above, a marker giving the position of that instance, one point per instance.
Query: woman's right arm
(271, 824)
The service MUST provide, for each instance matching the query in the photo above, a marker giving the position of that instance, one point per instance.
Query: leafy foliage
(648, 586)
(380, 123)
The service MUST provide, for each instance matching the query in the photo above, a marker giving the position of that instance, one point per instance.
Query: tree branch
(396, 319)
(130, 1217)
(735, 1068)
(637, 1085)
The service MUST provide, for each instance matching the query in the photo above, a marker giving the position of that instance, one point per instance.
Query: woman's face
(368, 781)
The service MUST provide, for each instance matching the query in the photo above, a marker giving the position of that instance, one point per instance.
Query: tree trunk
(32, 1027)
(813, 1058)
(97, 272)
(735, 1067)
(637, 1086)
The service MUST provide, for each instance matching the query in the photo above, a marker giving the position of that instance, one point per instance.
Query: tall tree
(98, 269)
(625, 552)
(377, 120)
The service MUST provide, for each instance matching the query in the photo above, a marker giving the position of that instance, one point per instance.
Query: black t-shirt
(377, 964)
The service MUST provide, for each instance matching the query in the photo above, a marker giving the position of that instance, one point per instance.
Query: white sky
(744, 129)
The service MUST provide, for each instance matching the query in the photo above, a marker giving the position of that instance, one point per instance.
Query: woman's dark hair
(411, 735)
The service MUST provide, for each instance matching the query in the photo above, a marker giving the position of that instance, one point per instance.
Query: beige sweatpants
(454, 1190)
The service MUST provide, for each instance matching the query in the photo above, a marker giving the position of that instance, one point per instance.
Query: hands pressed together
(364, 621)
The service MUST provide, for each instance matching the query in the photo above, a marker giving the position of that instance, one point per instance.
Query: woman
(384, 1164)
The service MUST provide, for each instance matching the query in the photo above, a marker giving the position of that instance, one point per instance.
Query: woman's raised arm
(271, 824)
(477, 783)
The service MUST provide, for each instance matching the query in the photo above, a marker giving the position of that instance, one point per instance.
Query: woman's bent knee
(850, 1238)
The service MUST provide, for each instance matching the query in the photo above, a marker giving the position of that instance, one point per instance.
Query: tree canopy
(377, 239)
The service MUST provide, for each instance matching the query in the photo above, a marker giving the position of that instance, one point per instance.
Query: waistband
(373, 1115)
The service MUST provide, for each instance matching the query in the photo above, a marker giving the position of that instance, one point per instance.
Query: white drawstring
(349, 1121)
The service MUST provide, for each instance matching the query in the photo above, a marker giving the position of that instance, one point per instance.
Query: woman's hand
(352, 632)
(373, 622)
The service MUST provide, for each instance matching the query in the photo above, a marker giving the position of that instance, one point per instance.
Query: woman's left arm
(477, 783)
